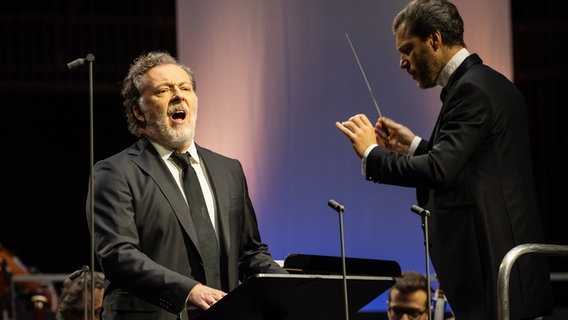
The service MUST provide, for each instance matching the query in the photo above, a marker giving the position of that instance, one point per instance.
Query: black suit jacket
(475, 177)
(145, 240)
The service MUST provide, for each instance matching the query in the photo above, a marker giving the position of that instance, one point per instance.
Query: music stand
(318, 264)
(296, 297)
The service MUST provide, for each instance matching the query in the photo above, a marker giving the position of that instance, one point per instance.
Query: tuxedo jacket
(474, 175)
(145, 240)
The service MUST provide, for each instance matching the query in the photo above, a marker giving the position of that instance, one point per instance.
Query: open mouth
(179, 115)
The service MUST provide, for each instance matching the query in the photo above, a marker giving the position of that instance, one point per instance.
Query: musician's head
(72, 301)
(408, 297)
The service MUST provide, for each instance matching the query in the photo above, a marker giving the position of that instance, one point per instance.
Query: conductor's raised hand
(203, 297)
(399, 137)
(360, 132)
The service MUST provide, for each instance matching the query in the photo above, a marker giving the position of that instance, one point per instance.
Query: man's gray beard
(175, 138)
(180, 138)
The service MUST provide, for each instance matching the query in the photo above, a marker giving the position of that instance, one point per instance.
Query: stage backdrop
(272, 79)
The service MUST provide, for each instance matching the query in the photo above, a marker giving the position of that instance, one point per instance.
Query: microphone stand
(78, 273)
(91, 58)
(84, 270)
(340, 209)
(71, 65)
(425, 214)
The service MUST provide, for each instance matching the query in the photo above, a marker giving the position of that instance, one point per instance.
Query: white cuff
(414, 145)
(364, 159)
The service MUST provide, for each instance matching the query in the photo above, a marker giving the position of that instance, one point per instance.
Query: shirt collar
(165, 152)
(451, 67)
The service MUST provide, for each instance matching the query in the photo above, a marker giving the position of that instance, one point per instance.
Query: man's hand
(204, 297)
(360, 131)
(399, 137)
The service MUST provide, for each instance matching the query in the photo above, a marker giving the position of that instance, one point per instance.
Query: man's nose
(177, 92)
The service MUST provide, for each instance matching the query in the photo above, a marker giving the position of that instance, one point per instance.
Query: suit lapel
(470, 61)
(147, 158)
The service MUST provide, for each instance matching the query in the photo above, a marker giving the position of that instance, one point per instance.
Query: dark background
(46, 122)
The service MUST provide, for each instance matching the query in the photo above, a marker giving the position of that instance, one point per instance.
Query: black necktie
(208, 245)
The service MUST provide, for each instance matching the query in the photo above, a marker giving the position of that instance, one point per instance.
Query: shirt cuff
(414, 145)
(364, 159)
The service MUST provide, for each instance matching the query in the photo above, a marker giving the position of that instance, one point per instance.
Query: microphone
(339, 208)
(335, 206)
(81, 61)
(419, 211)
(78, 273)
